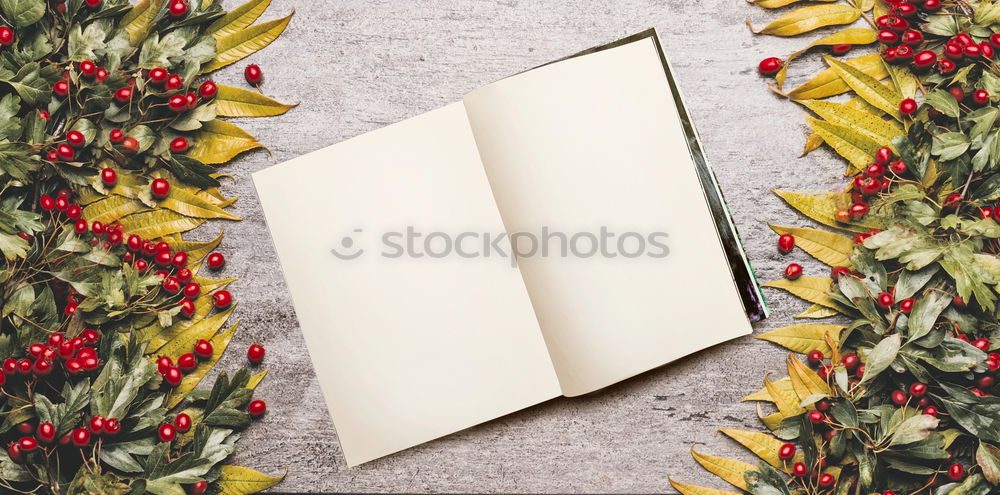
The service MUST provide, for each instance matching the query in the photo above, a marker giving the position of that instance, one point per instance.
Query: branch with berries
(894, 391)
(111, 138)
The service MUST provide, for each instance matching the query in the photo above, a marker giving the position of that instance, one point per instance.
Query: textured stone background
(360, 65)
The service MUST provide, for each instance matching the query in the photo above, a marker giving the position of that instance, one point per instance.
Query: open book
(553, 233)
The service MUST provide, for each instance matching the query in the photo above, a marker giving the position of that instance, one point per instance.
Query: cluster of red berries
(76, 355)
(787, 451)
(44, 436)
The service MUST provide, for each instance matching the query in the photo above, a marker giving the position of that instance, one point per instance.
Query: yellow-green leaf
(138, 20)
(773, 4)
(183, 341)
(802, 338)
(856, 103)
(879, 95)
(184, 200)
(872, 126)
(832, 249)
(112, 208)
(823, 207)
(849, 36)
(191, 380)
(245, 42)
(804, 380)
(903, 80)
(219, 141)
(810, 18)
(196, 250)
(158, 223)
(238, 19)
(827, 83)
(761, 444)
(256, 379)
(784, 399)
(762, 395)
(854, 146)
(238, 102)
(235, 480)
(771, 421)
(816, 312)
(730, 470)
(813, 289)
(685, 489)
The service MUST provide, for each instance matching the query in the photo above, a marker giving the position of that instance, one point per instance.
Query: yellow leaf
(813, 289)
(784, 399)
(235, 480)
(903, 80)
(784, 385)
(762, 445)
(112, 208)
(828, 83)
(184, 200)
(809, 18)
(184, 340)
(823, 208)
(879, 95)
(196, 250)
(685, 489)
(219, 141)
(245, 42)
(191, 380)
(802, 338)
(849, 36)
(138, 20)
(846, 141)
(238, 19)
(832, 249)
(872, 126)
(855, 103)
(730, 470)
(773, 4)
(771, 421)
(256, 379)
(804, 380)
(157, 223)
(816, 311)
(238, 102)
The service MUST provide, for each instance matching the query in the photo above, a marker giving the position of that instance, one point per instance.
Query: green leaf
(944, 102)
(28, 83)
(913, 430)
(881, 356)
(949, 145)
(979, 418)
(925, 313)
(23, 12)
(988, 458)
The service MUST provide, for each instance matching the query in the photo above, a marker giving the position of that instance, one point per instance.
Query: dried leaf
(184, 200)
(158, 223)
(762, 395)
(813, 289)
(803, 338)
(235, 480)
(761, 444)
(730, 470)
(879, 95)
(828, 83)
(785, 400)
(245, 42)
(685, 489)
(864, 122)
(804, 380)
(219, 141)
(849, 36)
(823, 207)
(238, 19)
(832, 249)
(810, 18)
(191, 380)
(238, 102)
(854, 146)
(816, 312)
(112, 208)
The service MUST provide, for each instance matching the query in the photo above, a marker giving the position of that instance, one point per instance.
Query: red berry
(179, 145)
(175, 82)
(198, 488)
(187, 362)
(112, 426)
(815, 357)
(46, 202)
(841, 49)
(907, 106)
(786, 242)
(182, 423)
(912, 37)
(932, 5)
(906, 305)
(787, 451)
(888, 37)
(899, 397)
(61, 88)
(167, 432)
(178, 8)
(141, 264)
(982, 344)
(178, 103)
(255, 354)
(858, 210)
(172, 285)
(74, 211)
(824, 372)
(981, 96)
(27, 444)
(931, 411)
(184, 275)
(163, 364)
(81, 437)
(986, 212)
(75, 139)
(885, 300)
(159, 188)
(116, 136)
(799, 469)
(254, 75)
(163, 258)
(257, 408)
(954, 51)
(93, 3)
(222, 299)
(203, 349)
(6, 36)
(918, 389)
(793, 271)
(816, 417)
(158, 75)
(883, 155)
(986, 382)
(925, 59)
(208, 90)
(192, 290)
(187, 307)
(192, 100)
(827, 479)
(180, 259)
(130, 144)
(987, 50)
(839, 271)
(946, 66)
(65, 152)
(173, 376)
(850, 361)
(88, 68)
(767, 67)
(46, 433)
(956, 472)
(123, 95)
(215, 261)
(96, 425)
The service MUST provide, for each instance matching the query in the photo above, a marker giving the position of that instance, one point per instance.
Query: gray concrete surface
(359, 65)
